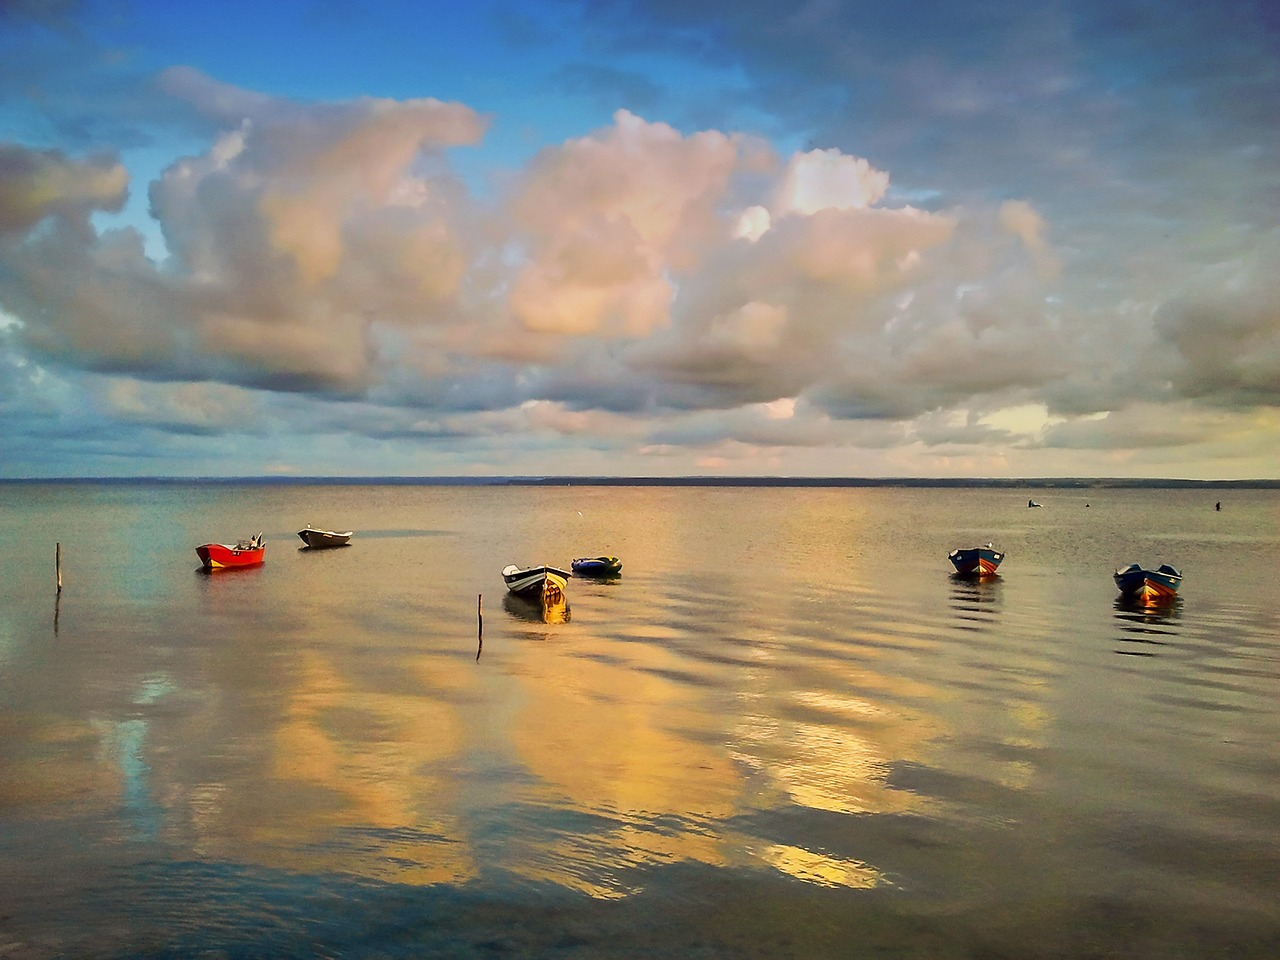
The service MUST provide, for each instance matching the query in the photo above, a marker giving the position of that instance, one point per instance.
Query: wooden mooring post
(57, 565)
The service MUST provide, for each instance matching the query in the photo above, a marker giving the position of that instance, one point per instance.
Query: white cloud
(753, 223)
(828, 180)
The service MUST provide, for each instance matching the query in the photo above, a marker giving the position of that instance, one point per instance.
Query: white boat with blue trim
(533, 583)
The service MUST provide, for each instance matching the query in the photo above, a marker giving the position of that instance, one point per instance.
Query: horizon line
(684, 480)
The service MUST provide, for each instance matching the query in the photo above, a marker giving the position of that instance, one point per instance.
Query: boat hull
(536, 582)
(1148, 586)
(596, 567)
(321, 539)
(219, 556)
(976, 561)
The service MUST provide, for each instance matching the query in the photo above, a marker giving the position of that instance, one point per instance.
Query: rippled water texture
(784, 731)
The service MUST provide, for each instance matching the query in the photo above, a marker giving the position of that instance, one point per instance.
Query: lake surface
(785, 731)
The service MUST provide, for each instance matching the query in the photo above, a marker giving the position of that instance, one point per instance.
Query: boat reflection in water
(966, 588)
(1144, 624)
(975, 600)
(552, 609)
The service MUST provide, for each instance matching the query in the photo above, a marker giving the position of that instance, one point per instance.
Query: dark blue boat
(1148, 586)
(976, 561)
(596, 567)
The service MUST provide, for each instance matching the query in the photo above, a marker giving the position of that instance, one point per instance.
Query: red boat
(245, 553)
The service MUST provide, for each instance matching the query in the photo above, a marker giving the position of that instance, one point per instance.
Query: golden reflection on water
(631, 736)
(34, 779)
(660, 751)
(374, 753)
(821, 869)
(825, 766)
(610, 738)
(646, 747)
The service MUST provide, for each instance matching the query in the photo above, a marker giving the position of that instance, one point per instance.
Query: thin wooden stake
(57, 562)
(479, 624)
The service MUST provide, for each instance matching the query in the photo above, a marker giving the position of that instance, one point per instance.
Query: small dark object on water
(601, 567)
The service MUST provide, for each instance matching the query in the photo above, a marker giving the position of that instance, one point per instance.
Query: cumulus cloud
(637, 287)
(607, 218)
(35, 184)
(92, 301)
(289, 237)
(829, 180)
(798, 310)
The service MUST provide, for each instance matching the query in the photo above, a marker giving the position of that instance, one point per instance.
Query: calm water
(785, 731)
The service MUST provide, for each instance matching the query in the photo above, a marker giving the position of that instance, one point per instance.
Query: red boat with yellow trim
(244, 553)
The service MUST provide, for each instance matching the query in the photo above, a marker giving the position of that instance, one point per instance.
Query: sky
(640, 238)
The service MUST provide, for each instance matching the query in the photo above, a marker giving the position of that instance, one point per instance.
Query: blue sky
(636, 237)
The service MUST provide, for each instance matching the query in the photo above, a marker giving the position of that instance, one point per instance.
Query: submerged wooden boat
(596, 567)
(244, 553)
(976, 561)
(1148, 586)
(318, 539)
(536, 583)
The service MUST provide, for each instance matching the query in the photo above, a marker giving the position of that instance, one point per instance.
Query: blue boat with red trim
(1148, 586)
(976, 561)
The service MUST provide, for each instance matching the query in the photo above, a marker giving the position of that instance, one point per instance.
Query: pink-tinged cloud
(296, 185)
(606, 219)
(298, 231)
(1023, 221)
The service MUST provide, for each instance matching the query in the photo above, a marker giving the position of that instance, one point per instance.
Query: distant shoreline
(1022, 483)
